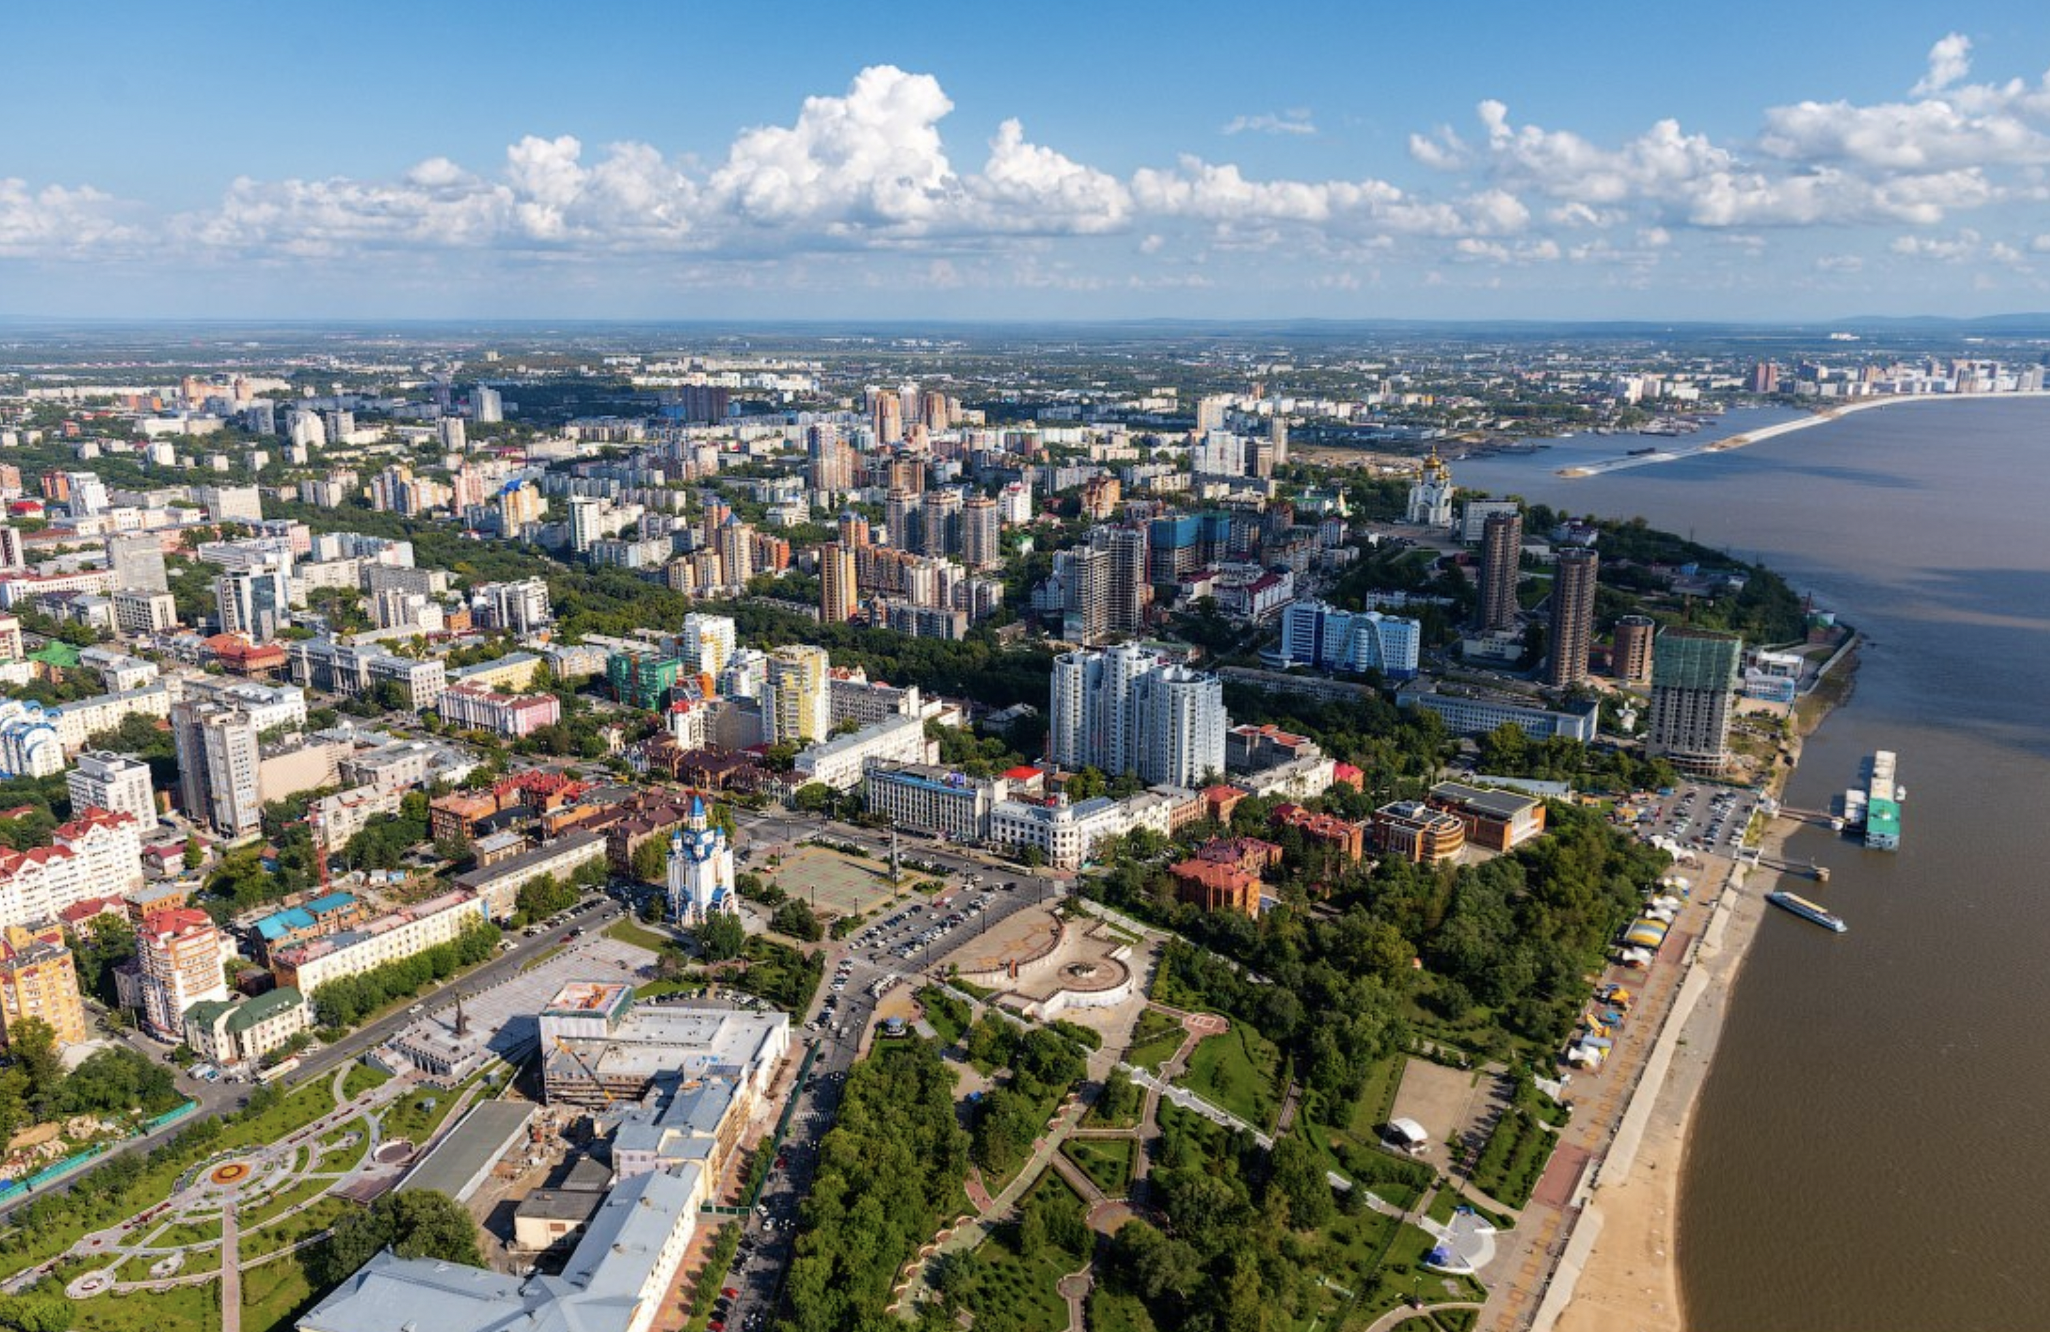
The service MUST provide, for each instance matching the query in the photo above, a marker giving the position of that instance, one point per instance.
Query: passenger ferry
(1807, 911)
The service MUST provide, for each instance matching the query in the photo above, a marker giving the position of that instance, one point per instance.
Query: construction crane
(589, 1072)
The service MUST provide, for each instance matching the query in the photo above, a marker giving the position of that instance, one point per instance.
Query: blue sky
(1058, 160)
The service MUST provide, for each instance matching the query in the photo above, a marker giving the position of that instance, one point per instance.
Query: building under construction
(601, 1052)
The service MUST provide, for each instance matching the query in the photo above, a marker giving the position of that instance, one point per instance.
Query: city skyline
(456, 164)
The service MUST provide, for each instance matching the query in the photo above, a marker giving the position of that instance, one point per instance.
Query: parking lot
(1702, 818)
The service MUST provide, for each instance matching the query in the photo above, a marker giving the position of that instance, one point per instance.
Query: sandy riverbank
(1620, 1271)
(1763, 433)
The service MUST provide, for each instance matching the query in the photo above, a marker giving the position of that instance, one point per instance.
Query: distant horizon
(2019, 319)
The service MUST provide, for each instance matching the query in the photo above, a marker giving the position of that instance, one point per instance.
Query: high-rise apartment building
(829, 463)
(1314, 633)
(797, 700)
(1693, 692)
(736, 551)
(180, 952)
(38, 979)
(1631, 660)
(137, 560)
(886, 416)
(900, 517)
(1129, 709)
(1573, 593)
(939, 523)
(1501, 551)
(981, 546)
(707, 642)
(520, 607)
(837, 594)
(486, 406)
(1082, 580)
(853, 530)
(586, 514)
(256, 602)
(100, 779)
(218, 756)
(1129, 591)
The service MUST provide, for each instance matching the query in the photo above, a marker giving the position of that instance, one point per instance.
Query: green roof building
(241, 1030)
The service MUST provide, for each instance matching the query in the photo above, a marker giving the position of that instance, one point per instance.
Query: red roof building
(1248, 853)
(1216, 887)
(1326, 829)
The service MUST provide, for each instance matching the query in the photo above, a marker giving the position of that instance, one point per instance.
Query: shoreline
(1619, 1270)
(1822, 416)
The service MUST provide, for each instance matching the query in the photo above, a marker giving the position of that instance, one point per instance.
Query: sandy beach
(1619, 1272)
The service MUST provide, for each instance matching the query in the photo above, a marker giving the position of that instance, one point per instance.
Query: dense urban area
(657, 828)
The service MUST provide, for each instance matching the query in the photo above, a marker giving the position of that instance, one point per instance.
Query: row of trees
(347, 1000)
(889, 1171)
(1508, 751)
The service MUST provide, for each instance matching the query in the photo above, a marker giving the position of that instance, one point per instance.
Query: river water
(1872, 1148)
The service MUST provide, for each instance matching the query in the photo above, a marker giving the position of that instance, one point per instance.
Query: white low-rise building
(388, 938)
(77, 722)
(838, 762)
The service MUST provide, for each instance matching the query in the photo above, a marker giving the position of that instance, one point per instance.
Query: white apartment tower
(707, 642)
(102, 779)
(1128, 709)
(218, 758)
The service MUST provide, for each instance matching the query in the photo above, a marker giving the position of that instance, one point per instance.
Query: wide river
(1872, 1149)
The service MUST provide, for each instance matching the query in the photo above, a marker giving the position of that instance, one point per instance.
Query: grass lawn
(1018, 1293)
(1402, 1272)
(275, 1205)
(661, 988)
(1168, 989)
(629, 931)
(290, 1230)
(1239, 1071)
(1015, 1292)
(970, 987)
(944, 1012)
(1377, 1099)
(1449, 1198)
(362, 1078)
(192, 1233)
(1107, 1161)
(415, 1117)
(1113, 1312)
(782, 975)
(186, 1308)
(1509, 1166)
(1154, 1040)
(274, 1294)
(302, 1107)
(1345, 1254)
(337, 1158)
